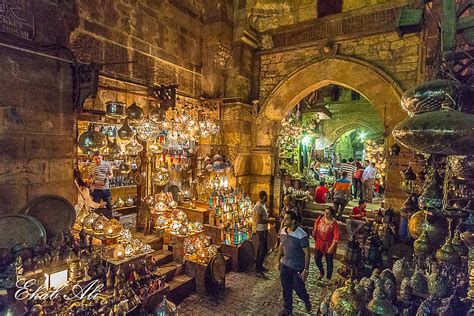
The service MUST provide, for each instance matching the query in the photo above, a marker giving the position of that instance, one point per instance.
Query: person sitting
(84, 199)
(358, 218)
(320, 193)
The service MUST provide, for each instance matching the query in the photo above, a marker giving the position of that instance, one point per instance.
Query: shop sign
(16, 20)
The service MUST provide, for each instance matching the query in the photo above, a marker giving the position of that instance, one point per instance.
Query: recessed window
(328, 7)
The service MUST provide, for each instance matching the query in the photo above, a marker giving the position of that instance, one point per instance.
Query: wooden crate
(197, 270)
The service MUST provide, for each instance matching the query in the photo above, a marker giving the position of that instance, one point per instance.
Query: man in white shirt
(261, 221)
(368, 180)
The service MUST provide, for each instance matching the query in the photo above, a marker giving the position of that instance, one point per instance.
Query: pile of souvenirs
(200, 249)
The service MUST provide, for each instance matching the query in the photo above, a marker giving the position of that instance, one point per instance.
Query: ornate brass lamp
(353, 252)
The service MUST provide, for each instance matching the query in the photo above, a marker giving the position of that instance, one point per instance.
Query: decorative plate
(55, 213)
(16, 229)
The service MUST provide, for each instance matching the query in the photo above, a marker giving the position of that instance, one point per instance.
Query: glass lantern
(99, 224)
(175, 227)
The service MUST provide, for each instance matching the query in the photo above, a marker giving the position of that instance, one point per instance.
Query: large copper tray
(19, 228)
(55, 213)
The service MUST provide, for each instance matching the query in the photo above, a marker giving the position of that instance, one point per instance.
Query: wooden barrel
(254, 242)
(246, 256)
(215, 274)
(272, 239)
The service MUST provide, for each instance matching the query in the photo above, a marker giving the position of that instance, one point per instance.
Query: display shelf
(124, 186)
(123, 208)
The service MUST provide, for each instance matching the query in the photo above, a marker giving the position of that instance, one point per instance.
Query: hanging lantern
(445, 132)
(161, 177)
(155, 148)
(353, 252)
(147, 130)
(91, 141)
(134, 147)
(135, 113)
(408, 178)
(437, 95)
(115, 149)
(447, 253)
(124, 168)
(125, 132)
(157, 114)
(422, 245)
(115, 109)
(89, 221)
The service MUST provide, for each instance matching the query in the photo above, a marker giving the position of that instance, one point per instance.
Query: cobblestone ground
(246, 294)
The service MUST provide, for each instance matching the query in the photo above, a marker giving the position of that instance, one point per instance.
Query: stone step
(171, 270)
(180, 287)
(162, 257)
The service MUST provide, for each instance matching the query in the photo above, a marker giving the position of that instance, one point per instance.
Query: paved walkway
(247, 295)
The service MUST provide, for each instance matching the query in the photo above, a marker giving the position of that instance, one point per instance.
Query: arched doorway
(371, 82)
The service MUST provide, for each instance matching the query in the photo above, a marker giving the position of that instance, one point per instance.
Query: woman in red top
(326, 236)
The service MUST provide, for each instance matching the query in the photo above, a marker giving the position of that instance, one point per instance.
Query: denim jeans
(318, 258)
(103, 195)
(290, 280)
(262, 250)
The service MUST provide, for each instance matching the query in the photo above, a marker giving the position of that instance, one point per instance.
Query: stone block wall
(398, 57)
(37, 129)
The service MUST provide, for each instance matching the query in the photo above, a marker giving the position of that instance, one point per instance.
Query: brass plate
(19, 228)
(55, 213)
(217, 269)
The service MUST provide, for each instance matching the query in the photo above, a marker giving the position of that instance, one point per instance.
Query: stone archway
(368, 80)
(371, 82)
(340, 130)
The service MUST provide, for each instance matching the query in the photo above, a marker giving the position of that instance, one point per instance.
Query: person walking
(326, 237)
(100, 174)
(293, 263)
(368, 180)
(288, 205)
(341, 194)
(357, 180)
(348, 167)
(261, 221)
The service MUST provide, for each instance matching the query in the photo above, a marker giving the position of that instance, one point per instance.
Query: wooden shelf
(118, 209)
(124, 186)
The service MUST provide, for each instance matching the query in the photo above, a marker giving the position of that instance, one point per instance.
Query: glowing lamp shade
(306, 140)
(119, 252)
(55, 278)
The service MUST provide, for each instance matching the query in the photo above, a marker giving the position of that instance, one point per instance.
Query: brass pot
(437, 228)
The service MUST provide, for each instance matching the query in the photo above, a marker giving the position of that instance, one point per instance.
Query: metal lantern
(408, 177)
(165, 308)
(91, 141)
(445, 132)
(374, 252)
(147, 130)
(115, 109)
(134, 147)
(135, 113)
(437, 95)
(379, 305)
(125, 132)
(353, 252)
(161, 177)
(157, 114)
(432, 196)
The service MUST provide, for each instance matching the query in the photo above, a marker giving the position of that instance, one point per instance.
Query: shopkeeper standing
(261, 221)
(100, 174)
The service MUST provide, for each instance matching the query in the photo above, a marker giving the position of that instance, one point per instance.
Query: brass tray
(55, 213)
(19, 228)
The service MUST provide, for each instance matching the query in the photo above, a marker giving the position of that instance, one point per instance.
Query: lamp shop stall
(176, 206)
(436, 220)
